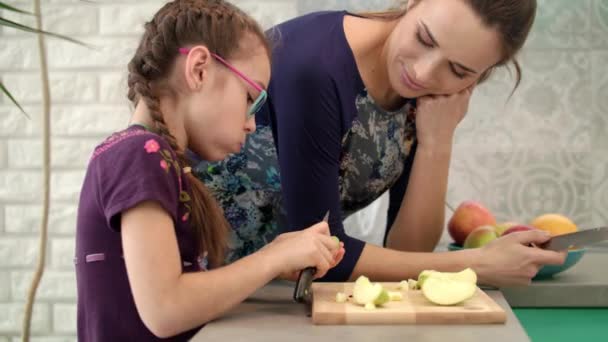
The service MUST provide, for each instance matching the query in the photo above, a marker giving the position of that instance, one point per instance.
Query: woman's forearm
(383, 264)
(420, 220)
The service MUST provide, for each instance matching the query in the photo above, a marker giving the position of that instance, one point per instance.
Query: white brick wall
(89, 102)
(64, 316)
(53, 287)
(48, 339)
(62, 219)
(3, 154)
(66, 87)
(18, 252)
(5, 291)
(14, 124)
(11, 314)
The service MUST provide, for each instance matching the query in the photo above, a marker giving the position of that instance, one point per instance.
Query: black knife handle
(303, 284)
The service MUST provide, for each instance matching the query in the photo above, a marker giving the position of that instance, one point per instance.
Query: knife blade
(577, 239)
(301, 293)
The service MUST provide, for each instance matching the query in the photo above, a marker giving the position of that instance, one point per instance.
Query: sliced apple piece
(424, 275)
(395, 296)
(336, 239)
(365, 292)
(444, 291)
(467, 275)
(341, 297)
(403, 285)
(383, 298)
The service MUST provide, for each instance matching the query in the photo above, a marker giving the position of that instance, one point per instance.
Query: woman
(363, 104)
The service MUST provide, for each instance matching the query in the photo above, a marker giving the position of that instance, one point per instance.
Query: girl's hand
(437, 117)
(509, 260)
(312, 247)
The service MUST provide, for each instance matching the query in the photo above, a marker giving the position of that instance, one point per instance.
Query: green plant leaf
(10, 23)
(11, 8)
(7, 93)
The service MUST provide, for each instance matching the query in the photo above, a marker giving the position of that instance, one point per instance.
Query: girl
(364, 104)
(147, 229)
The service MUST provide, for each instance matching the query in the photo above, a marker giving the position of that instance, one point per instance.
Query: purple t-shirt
(128, 168)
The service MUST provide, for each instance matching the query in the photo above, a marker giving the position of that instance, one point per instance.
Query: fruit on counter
(422, 277)
(341, 297)
(395, 296)
(444, 291)
(383, 298)
(518, 228)
(466, 275)
(502, 227)
(555, 224)
(448, 288)
(366, 292)
(409, 284)
(468, 216)
(336, 239)
(480, 237)
(370, 306)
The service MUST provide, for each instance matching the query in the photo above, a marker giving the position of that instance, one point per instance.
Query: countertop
(583, 285)
(271, 315)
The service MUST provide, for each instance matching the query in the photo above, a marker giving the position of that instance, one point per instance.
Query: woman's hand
(509, 260)
(311, 247)
(437, 117)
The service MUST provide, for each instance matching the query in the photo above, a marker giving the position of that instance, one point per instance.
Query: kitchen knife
(577, 239)
(301, 293)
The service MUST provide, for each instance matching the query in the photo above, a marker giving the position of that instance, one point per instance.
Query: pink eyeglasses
(259, 101)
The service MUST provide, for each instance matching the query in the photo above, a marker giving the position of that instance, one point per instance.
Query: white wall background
(545, 150)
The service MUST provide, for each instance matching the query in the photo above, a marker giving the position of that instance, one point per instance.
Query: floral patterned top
(322, 143)
(128, 168)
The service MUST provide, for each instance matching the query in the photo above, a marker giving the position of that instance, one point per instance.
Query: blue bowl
(547, 271)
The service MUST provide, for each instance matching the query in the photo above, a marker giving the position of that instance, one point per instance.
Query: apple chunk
(467, 275)
(364, 292)
(444, 291)
(448, 288)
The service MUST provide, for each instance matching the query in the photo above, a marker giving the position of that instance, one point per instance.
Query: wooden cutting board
(413, 309)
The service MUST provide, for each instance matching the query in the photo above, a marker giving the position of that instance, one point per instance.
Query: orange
(555, 224)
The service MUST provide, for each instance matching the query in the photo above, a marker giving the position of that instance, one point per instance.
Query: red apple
(468, 216)
(502, 227)
(517, 228)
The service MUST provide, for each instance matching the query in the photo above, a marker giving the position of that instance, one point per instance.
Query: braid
(220, 26)
(212, 239)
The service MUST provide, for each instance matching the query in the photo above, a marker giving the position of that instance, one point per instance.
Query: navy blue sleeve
(397, 191)
(308, 136)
